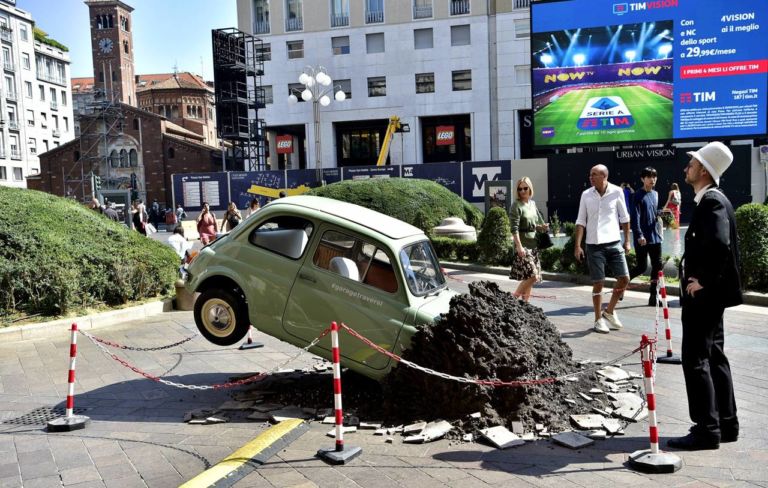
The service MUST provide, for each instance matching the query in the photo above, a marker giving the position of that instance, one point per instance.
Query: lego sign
(445, 135)
(284, 144)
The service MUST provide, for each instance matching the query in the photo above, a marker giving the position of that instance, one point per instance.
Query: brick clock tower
(112, 48)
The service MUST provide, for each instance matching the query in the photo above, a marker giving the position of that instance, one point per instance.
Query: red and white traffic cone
(671, 357)
(652, 460)
(70, 421)
(339, 454)
(249, 344)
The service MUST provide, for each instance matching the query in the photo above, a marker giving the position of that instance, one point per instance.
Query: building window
(23, 32)
(43, 120)
(25, 61)
(425, 83)
(422, 9)
(374, 43)
(293, 16)
(114, 159)
(124, 23)
(125, 46)
(265, 52)
(3, 173)
(123, 158)
(377, 86)
(30, 118)
(66, 124)
(171, 153)
(346, 87)
(295, 49)
(268, 95)
(63, 98)
(28, 89)
(340, 45)
(136, 123)
(261, 16)
(422, 39)
(18, 174)
(523, 74)
(133, 157)
(461, 80)
(339, 13)
(101, 77)
(45, 145)
(296, 89)
(32, 145)
(459, 7)
(522, 28)
(460, 35)
(175, 112)
(374, 11)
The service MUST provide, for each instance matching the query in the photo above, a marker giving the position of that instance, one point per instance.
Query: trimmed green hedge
(57, 255)
(495, 237)
(751, 225)
(421, 203)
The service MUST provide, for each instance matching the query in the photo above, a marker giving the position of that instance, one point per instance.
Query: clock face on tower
(105, 45)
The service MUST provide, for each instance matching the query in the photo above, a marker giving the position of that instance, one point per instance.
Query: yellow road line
(238, 458)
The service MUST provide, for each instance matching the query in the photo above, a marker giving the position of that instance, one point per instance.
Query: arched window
(101, 77)
(134, 157)
(171, 153)
(114, 76)
(111, 21)
(114, 159)
(98, 22)
(135, 123)
(125, 46)
(123, 158)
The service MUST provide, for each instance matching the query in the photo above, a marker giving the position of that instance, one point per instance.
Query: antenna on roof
(175, 69)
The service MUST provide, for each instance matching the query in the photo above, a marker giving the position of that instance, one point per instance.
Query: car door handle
(308, 277)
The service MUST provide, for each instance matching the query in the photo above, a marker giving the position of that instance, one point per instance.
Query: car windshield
(421, 268)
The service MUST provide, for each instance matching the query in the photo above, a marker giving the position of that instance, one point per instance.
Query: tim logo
(620, 8)
(408, 172)
(482, 175)
(605, 113)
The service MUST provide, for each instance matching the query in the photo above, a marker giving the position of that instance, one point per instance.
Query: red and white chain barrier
(70, 421)
(218, 386)
(670, 358)
(647, 353)
(493, 383)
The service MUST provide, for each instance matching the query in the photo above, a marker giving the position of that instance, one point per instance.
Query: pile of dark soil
(487, 334)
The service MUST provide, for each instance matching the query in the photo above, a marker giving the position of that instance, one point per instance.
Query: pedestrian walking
(253, 207)
(232, 217)
(674, 200)
(602, 212)
(525, 220)
(646, 230)
(207, 226)
(709, 284)
(180, 213)
(111, 213)
(138, 217)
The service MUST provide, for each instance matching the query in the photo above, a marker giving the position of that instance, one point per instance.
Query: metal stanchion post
(70, 421)
(652, 460)
(338, 454)
(671, 357)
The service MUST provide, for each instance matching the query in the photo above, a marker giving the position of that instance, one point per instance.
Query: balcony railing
(459, 7)
(15, 154)
(339, 20)
(51, 78)
(261, 27)
(422, 11)
(294, 24)
(374, 17)
(6, 34)
(55, 133)
(13, 125)
(9, 66)
(522, 3)
(10, 96)
(54, 105)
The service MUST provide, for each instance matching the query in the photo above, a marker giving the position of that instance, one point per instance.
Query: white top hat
(715, 157)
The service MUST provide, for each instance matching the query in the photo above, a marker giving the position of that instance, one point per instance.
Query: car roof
(384, 224)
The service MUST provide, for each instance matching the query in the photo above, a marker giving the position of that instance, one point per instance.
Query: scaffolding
(100, 123)
(238, 65)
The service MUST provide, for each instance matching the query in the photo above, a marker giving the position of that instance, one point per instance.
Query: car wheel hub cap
(219, 317)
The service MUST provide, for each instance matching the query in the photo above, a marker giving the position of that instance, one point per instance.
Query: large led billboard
(612, 72)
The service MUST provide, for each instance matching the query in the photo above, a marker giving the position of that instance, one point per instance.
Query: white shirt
(179, 244)
(700, 193)
(601, 215)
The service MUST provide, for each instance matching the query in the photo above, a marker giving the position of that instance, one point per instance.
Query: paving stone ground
(136, 437)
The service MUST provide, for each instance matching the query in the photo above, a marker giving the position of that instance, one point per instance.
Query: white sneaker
(601, 327)
(613, 320)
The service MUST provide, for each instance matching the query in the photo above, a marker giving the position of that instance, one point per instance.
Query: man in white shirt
(602, 211)
(179, 243)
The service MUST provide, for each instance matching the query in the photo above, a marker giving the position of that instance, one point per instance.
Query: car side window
(285, 235)
(355, 259)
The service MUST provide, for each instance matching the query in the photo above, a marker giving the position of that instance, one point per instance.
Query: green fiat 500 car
(302, 262)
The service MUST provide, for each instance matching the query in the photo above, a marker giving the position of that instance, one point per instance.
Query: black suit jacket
(712, 253)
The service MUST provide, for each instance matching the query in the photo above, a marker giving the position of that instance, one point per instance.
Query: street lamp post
(318, 86)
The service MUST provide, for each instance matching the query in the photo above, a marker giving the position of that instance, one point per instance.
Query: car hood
(433, 306)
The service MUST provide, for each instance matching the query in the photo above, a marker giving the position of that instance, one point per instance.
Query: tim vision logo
(623, 8)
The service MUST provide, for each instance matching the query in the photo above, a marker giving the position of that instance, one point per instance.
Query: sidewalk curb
(85, 322)
(750, 297)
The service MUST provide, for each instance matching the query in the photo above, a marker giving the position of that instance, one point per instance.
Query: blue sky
(165, 32)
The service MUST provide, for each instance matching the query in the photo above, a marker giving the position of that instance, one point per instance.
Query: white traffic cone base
(660, 462)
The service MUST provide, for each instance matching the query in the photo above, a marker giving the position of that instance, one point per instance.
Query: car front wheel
(221, 317)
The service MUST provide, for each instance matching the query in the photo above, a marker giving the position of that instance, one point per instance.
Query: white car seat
(345, 267)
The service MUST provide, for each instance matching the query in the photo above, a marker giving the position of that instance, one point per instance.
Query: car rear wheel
(221, 317)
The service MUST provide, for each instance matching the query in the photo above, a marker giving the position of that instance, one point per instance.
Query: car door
(268, 264)
(349, 279)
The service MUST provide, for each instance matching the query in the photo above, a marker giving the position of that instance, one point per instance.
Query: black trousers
(708, 382)
(642, 253)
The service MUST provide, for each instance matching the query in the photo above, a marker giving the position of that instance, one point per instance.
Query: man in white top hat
(709, 284)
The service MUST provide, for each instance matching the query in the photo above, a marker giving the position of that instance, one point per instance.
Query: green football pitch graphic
(652, 114)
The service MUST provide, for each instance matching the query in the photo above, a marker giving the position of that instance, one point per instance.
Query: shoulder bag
(543, 239)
